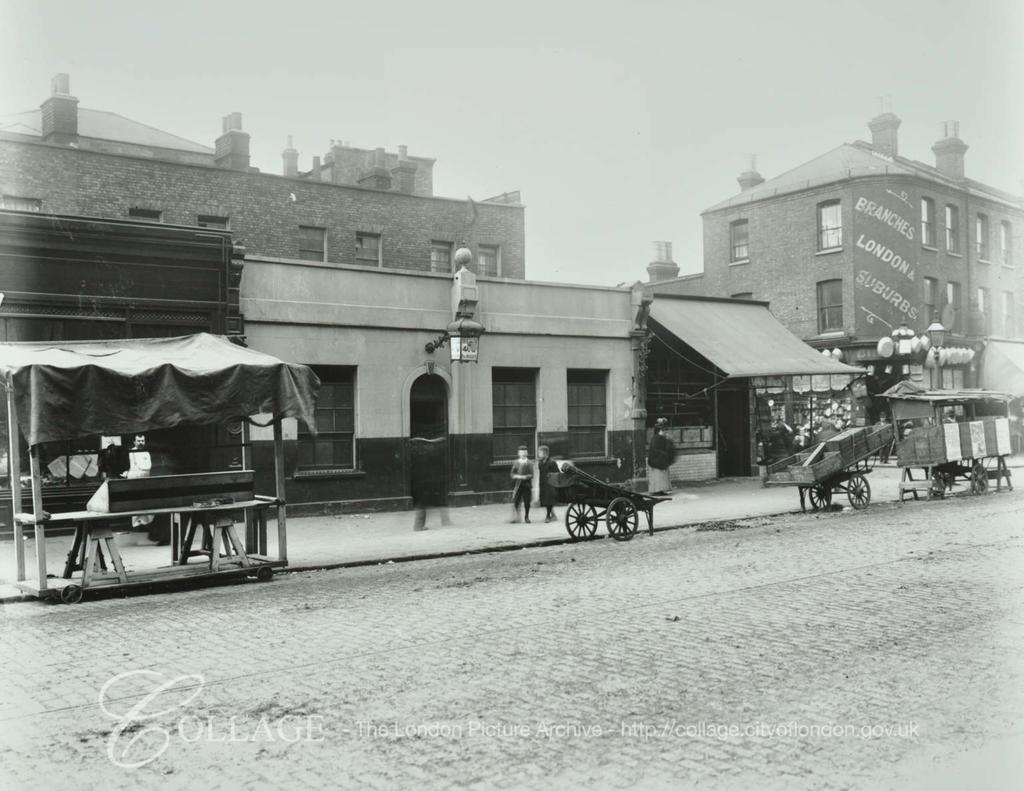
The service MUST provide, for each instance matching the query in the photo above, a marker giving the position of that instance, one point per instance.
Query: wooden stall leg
(40, 515)
(106, 535)
(14, 475)
(282, 524)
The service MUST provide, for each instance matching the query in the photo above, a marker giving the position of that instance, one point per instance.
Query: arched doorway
(428, 440)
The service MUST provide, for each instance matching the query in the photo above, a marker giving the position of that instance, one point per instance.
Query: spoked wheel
(580, 521)
(979, 478)
(820, 497)
(622, 519)
(71, 594)
(859, 491)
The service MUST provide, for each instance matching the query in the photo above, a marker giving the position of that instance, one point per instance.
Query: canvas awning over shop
(68, 389)
(1002, 367)
(742, 338)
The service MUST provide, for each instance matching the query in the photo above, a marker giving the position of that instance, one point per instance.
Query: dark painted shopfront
(709, 364)
(73, 278)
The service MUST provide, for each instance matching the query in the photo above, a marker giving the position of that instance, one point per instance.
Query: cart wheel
(622, 519)
(580, 521)
(820, 497)
(264, 573)
(859, 491)
(71, 594)
(979, 478)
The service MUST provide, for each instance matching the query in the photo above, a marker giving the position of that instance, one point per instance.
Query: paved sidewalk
(354, 539)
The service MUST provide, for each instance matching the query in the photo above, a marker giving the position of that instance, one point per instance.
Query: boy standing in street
(522, 484)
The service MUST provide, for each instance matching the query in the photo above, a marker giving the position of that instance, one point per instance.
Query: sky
(619, 122)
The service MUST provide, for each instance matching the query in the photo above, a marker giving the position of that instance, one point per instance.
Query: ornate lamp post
(937, 335)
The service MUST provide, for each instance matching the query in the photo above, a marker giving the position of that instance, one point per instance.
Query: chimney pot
(231, 149)
(884, 138)
(662, 267)
(949, 151)
(291, 160)
(59, 113)
(750, 177)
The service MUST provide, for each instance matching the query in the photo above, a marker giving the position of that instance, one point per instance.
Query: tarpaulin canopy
(68, 389)
(742, 338)
(1002, 366)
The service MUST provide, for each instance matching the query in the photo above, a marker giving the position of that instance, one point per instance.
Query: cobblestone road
(845, 650)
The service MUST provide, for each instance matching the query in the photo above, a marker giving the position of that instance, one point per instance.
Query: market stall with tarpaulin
(719, 352)
(950, 435)
(63, 390)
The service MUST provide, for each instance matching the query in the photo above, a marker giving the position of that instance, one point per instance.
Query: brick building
(352, 206)
(348, 268)
(853, 243)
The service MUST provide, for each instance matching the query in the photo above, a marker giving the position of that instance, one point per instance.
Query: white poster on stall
(978, 439)
(1003, 445)
(952, 431)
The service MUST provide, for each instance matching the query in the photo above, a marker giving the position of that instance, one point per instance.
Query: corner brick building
(352, 206)
(854, 243)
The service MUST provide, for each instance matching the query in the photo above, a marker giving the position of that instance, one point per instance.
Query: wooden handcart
(840, 464)
(591, 500)
(950, 436)
(60, 392)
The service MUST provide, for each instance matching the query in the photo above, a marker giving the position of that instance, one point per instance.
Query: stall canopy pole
(282, 537)
(14, 476)
(38, 515)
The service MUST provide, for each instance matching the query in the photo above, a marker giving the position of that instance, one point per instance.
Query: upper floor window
(312, 243)
(489, 259)
(333, 447)
(20, 204)
(514, 408)
(830, 305)
(954, 297)
(929, 299)
(440, 256)
(1009, 315)
(212, 221)
(146, 215)
(368, 249)
(981, 236)
(927, 222)
(739, 239)
(1006, 243)
(830, 225)
(588, 412)
(984, 310)
(952, 229)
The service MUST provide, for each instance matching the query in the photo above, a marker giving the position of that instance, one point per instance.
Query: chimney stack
(377, 176)
(884, 127)
(60, 112)
(662, 267)
(403, 175)
(749, 177)
(231, 149)
(950, 150)
(291, 160)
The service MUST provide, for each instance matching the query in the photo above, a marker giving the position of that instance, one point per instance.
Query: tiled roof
(852, 160)
(103, 125)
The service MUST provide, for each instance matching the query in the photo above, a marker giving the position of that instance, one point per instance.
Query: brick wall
(264, 210)
(785, 266)
(694, 467)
